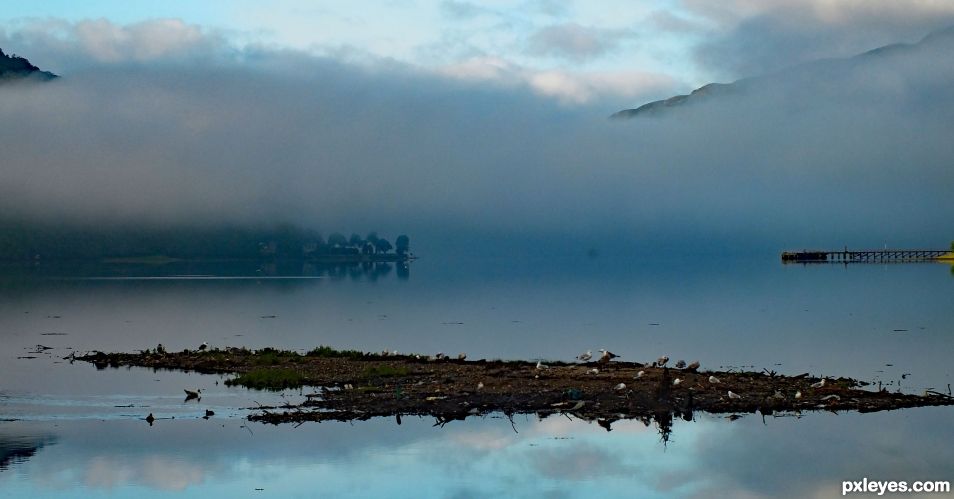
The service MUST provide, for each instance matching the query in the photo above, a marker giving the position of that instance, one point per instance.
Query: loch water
(70, 430)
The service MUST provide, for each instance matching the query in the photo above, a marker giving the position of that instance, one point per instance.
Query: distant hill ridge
(13, 67)
(940, 41)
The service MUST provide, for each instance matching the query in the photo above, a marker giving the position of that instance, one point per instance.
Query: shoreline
(354, 385)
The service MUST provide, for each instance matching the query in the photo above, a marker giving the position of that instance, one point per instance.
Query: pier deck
(863, 256)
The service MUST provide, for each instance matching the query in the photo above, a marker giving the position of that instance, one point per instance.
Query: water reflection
(27, 274)
(876, 323)
(16, 449)
(777, 457)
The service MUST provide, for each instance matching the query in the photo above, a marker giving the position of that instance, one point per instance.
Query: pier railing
(863, 256)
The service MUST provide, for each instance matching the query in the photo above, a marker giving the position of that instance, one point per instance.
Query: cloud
(575, 43)
(554, 8)
(480, 151)
(747, 37)
(567, 87)
(64, 46)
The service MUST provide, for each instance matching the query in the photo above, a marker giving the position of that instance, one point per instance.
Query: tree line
(21, 241)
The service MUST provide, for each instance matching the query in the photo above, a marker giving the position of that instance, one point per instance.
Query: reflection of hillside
(16, 450)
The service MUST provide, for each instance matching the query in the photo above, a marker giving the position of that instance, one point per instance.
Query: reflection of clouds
(578, 462)
(108, 472)
(168, 474)
(482, 441)
(812, 456)
(485, 458)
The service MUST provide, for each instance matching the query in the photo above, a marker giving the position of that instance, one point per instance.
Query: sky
(575, 51)
(466, 121)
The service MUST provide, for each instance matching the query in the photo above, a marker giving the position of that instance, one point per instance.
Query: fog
(847, 152)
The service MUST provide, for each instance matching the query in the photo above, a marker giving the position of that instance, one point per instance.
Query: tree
(337, 239)
(402, 244)
(382, 245)
(355, 240)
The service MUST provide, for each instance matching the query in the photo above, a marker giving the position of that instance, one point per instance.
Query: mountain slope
(828, 77)
(16, 68)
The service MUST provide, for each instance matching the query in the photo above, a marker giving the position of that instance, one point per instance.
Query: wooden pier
(864, 256)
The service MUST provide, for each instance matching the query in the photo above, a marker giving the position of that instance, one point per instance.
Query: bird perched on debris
(680, 364)
(440, 356)
(734, 396)
(820, 384)
(798, 394)
(462, 356)
(541, 365)
(192, 394)
(661, 362)
(621, 386)
(586, 356)
(480, 385)
(593, 371)
(640, 374)
(676, 382)
(607, 355)
(203, 346)
(714, 380)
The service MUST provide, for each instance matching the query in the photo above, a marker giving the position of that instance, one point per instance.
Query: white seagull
(734, 396)
(798, 394)
(693, 365)
(480, 385)
(819, 384)
(714, 380)
(621, 386)
(660, 362)
(676, 382)
(541, 365)
(585, 357)
(593, 371)
(640, 374)
(462, 356)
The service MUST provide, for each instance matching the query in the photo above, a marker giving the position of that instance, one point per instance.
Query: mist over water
(845, 152)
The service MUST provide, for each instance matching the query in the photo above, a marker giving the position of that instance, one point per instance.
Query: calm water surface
(70, 430)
